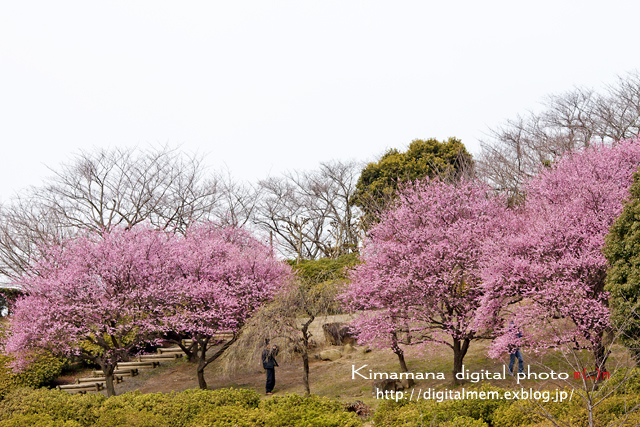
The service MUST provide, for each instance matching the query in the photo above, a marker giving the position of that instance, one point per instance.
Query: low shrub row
(610, 406)
(42, 371)
(459, 413)
(233, 407)
(191, 408)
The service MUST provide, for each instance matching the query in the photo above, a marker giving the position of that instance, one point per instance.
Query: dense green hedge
(231, 407)
(42, 371)
(431, 412)
(192, 408)
(324, 269)
(506, 413)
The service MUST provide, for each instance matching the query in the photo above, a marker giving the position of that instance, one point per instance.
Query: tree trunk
(400, 353)
(202, 363)
(305, 354)
(201, 382)
(460, 348)
(403, 364)
(191, 352)
(108, 369)
(600, 356)
(305, 374)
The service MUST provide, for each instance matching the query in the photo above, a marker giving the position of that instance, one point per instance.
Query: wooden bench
(121, 372)
(117, 379)
(170, 350)
(81, 388)
(167, 357)
(138, 365)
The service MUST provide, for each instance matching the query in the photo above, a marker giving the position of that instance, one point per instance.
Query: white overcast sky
(266, 86)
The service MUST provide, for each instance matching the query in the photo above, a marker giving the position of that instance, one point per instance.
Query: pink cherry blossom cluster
(422, 272)
(455, 259)
(551, 266)
(99, 296)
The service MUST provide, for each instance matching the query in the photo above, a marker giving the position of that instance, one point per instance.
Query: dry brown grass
(333, 379)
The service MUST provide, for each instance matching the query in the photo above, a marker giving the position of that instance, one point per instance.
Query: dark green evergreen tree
(622, 250)
(379, 180)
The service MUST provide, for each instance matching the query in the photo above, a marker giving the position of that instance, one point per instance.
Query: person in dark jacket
(269, 364)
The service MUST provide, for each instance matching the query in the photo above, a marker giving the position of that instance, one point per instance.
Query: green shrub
(293, 410)
(179, 409)
(57, 404)
(190, 408)
(324, 269)
(403, 413)
(229, 416)
(480, 409)
(532, 413)
(624, 381)
(42, 371)
(39, 420)
(128, 417)
(432, 412)
(464, 422)
(515, 415)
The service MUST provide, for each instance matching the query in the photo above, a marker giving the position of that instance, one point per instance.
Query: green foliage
(428, 412)
(40, 420)
(424, 158)
(206, 408)
(180, 409)
(120, 417)
(624, 381)
(464, 422)
(324, 269)
(622, 249)
(56, 404)
(42, 371)
(515, 415)
(313, 411)
(321, 281)
(229, 416)
(191, 408)
(403, 413)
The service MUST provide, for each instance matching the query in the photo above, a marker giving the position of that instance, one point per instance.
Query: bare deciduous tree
(310, 212)
(100, 189)
(237, 201)
(568, 121)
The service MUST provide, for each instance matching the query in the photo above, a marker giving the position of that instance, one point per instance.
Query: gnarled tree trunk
(107, 369)
(460, 348)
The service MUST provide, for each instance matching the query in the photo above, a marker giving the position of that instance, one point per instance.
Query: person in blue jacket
(515, 352)
(269, 364)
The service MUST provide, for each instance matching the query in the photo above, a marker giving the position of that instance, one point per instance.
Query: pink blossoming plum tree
(98, 297)
(95, 297)
(224, 276)
(420, 280)
(549, 274)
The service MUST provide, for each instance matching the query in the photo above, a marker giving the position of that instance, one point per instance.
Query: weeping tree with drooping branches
(420, 280)
(549, 274)
(96, 297)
